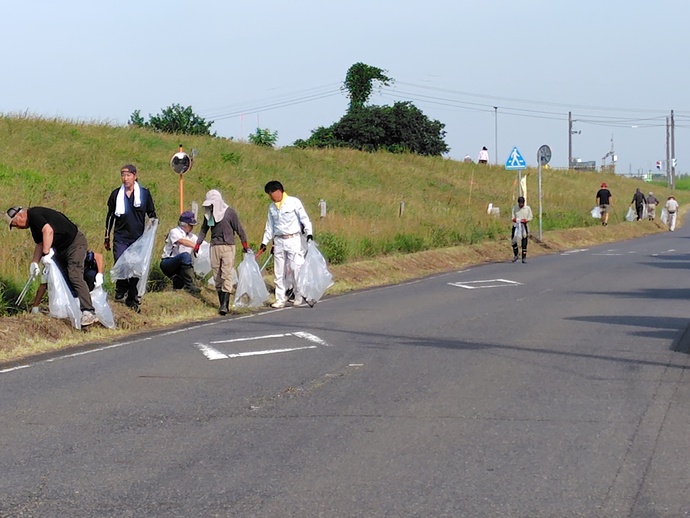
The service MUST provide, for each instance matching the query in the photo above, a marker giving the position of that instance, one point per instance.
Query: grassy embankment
(73, 168)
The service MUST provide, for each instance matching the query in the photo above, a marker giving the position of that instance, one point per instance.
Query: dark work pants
(125, 286)
(71, 263)
(639, 208)
(523, 242)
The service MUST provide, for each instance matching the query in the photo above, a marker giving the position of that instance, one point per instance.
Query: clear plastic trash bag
(99, 298)
(251, 289)
(136, 260)
(61, 303)
(596, 212)
(664, 216)
(314, 278)
(202, 261)
(520, 232)
(631, 215)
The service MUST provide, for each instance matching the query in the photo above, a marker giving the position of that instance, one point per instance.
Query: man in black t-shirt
(605, 201)
(58, 241)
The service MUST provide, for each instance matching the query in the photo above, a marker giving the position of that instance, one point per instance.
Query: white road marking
(214, 354)
(570, 252)
(495, 283)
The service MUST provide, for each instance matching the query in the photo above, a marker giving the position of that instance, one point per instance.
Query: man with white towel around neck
(128, 206)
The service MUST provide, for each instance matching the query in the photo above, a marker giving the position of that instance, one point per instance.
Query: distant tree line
(401, 128)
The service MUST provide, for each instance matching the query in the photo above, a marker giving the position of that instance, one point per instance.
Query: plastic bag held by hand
(99, 298)
(631, 215)
(314, 278)
(136, 260)
(251, 289)
(202, 260)
(596, 212)
(61, 303)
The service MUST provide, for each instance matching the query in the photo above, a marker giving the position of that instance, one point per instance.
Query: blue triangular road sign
(515, 161)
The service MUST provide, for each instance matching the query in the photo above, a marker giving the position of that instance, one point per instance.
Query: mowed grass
(73, 167)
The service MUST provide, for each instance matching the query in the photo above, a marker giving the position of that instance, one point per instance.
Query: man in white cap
(671, 207)
(652, 202)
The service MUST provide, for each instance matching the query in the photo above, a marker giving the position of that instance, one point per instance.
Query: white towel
(120, 201)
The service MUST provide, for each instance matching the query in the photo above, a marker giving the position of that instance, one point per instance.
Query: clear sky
(619, 66)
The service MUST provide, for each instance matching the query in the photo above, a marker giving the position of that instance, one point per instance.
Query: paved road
(549, 389)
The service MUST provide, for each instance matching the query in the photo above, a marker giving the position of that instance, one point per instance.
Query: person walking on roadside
(176, 261)
(483, 156)
(639, 201)
(287, 220)
(605, 202)
(60, 242)
(522, 215)
(671, 207)
(224, 223)
(94, 266)
(652, 202)
(128, 206)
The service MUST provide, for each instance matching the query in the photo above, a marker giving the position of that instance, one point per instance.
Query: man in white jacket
(522, 214)
(287, 220)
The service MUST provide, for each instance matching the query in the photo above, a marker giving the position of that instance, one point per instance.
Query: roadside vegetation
(390, 217)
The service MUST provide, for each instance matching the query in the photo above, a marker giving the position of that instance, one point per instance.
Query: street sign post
(515, 162)
(181, 162)
(543, 158)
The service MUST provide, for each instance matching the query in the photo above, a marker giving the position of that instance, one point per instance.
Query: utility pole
(570, 140)
(669, 183)
(673, 152)
(496, 134)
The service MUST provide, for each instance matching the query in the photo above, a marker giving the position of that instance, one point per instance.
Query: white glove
(48, 258)
(99, 280)
(34, 270)
(34, 310)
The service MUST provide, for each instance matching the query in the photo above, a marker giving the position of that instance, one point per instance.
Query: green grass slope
(73, 167)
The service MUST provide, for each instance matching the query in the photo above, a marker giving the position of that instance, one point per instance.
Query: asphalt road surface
(555, 388)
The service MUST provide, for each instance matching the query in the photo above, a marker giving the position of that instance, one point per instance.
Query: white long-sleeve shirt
(522, 213)
(286, 220)
(671, 205)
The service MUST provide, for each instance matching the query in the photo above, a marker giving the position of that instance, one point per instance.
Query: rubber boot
(524, 255)
(515, 253)
(225, 302)
(187, 276)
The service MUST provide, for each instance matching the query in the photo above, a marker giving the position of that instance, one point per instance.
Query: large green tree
(399, 128)
(174, 119)
(359, 83)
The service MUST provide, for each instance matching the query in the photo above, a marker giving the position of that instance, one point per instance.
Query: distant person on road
(605, 202)
(483, 156)
(522, 215)
(639, 201)
(671, 207)
(652, 202)
(94, 266)
(128, 206)
(286, 222)
(224, 223)
(176, 261)
(58, 242)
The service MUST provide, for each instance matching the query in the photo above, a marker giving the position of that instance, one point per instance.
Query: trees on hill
(174, 119)
(397, 129)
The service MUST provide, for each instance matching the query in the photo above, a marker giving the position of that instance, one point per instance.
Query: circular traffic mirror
(181, 163)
